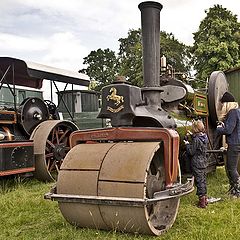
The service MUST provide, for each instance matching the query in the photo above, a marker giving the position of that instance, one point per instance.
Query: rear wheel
(51, 144)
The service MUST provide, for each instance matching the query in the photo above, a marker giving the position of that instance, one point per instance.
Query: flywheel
(51, 144)
(32, 111)
(132, 170)
(216, 88)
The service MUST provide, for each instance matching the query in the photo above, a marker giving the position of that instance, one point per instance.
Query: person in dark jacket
(231, 128)
(197, 151)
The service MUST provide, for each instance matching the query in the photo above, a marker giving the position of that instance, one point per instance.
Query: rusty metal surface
(45, 136)
(132, 161)
(86, 160)
(122, 134)
(115, 170)
(94, 153)
(169, 137)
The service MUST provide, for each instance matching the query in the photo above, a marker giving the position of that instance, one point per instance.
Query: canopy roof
(29, 74)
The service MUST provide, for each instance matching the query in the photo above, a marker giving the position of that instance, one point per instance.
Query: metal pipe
(150, 21)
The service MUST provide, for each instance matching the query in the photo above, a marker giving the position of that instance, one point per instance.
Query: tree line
(216, 47)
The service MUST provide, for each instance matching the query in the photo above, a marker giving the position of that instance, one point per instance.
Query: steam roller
(127, 177)
(33, 139)
(50, 136)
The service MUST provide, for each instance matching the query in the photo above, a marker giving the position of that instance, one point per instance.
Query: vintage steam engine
(127, 177)
(32, 137)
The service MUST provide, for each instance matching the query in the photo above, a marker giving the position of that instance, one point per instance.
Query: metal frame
(169, 137)
(176, 191)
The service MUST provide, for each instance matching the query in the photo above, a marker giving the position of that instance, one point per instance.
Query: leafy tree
(217, 42)
(178, 54)
(102, 66)
(130, 55)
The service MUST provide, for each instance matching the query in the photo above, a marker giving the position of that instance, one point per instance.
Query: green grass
(24, 214)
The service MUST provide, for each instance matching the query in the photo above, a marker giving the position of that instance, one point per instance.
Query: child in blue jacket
(197, 151)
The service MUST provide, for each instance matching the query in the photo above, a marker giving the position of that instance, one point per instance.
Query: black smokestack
(150, 19)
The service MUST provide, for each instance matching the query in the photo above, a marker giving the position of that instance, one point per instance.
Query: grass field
(24, 214)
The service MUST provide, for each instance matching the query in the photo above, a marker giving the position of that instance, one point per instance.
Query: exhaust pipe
(150, 21)
(140, 107)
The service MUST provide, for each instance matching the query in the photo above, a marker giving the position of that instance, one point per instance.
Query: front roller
(112, 186)
(51, 144)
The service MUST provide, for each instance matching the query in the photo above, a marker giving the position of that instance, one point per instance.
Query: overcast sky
(61, 33)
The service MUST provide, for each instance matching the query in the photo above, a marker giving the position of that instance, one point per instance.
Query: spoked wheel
(116, 170)
(51, 144)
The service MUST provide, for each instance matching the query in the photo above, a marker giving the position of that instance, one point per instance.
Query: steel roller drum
(216, 88)
(126, 169)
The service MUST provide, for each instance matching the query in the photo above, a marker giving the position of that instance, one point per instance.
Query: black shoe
(235, 193)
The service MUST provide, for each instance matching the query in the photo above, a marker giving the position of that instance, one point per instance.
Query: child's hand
(220, 124)
(189, 132)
